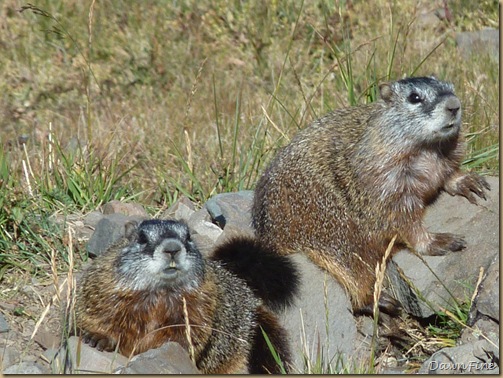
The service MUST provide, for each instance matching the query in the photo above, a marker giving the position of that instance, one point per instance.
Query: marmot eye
(142, 238)
(414, 98)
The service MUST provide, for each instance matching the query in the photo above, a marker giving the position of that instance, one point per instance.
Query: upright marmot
(132, 298)
(350, 181)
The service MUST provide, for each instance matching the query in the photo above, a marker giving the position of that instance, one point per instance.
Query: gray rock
(8, 356)
(483, 329)
(487, 351)
(487, 300)
(199, 216)
(129, 209)
(91, 219)
(46, 339)
(207, 229)
(475, 358)
(29, 358)
(365, 326)
(62, 219)
(482, 42)
(320, 321)
(231, 208)
(435, 280)
(50, 353)
(26, 368)
(84, 359)
(199, 223)
(83, 233)
(182, 209)
(108, 230)
(170, 358)
(4, 326)
(205, 244)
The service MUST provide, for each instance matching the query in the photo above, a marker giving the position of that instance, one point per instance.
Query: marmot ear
(385, 91)
(131, 228)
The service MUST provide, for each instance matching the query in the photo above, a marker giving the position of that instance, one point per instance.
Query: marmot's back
(350, 181)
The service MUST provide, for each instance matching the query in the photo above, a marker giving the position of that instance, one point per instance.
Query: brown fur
(350, 181)
(139, 321)
(261, 354)
(223, 312)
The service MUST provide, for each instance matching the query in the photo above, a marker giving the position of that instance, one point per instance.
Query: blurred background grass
(149, 100)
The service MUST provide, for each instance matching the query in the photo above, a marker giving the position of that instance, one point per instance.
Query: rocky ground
(320, 324)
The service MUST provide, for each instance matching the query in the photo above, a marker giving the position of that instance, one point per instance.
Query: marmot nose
(172, 247)
(453, 105)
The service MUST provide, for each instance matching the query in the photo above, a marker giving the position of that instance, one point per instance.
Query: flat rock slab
(84, 359)
(25, 368)
(231, 208)
(182, 209)
(130, 209)
(108, 230)
(320, 324)
(487, 302)
(4, 326)
(437, 279)
(474, 358)
(170, 358)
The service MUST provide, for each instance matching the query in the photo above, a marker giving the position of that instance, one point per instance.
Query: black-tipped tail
(273, 278)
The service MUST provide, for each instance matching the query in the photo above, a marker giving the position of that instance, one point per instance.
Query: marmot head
(160, 255)
(424, 109)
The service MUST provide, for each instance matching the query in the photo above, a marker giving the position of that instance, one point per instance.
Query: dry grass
(155, 99)
(126, 80)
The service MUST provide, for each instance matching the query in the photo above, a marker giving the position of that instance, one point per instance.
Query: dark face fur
(160, 255)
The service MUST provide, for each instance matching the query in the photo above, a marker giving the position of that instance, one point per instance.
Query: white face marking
(429, 106)
(442, 123)
(161, 257)
(416, 117)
